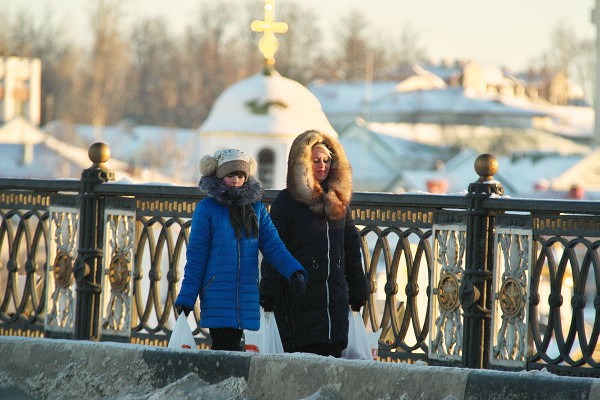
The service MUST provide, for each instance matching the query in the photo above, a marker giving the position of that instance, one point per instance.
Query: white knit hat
(224, 162)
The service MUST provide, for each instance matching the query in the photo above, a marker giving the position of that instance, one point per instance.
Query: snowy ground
(190, 387)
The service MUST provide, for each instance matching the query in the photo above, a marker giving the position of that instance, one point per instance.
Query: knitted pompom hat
(224, 162)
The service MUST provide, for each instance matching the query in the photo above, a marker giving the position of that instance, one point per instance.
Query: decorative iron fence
(474, 280)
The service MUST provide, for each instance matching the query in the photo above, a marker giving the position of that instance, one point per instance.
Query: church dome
(267, 103)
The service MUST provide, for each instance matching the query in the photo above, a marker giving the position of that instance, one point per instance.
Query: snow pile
(191, 387)
(73, 382)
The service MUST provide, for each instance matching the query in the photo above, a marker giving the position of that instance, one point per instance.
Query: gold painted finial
(268, 42)
(486, 166)
(99, 153)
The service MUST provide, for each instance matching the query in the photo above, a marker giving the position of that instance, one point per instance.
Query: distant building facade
(20, 89)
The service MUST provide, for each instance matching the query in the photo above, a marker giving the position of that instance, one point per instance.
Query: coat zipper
(327, 280)
(237, 285)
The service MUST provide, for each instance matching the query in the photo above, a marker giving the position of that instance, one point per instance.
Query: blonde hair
(322, 146)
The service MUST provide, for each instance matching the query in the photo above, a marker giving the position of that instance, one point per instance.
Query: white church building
(262, 115)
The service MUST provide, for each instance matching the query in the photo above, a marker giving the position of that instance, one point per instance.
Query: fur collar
(250, 193)
(333, 197)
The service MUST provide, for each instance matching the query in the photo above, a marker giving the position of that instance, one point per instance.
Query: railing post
(88, 266)
(475, 287)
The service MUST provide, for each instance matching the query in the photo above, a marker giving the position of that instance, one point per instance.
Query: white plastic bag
(359, 347)
(266, 339)
(374, 343)
(181, 337)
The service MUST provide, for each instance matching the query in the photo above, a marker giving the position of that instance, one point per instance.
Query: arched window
(266, 167)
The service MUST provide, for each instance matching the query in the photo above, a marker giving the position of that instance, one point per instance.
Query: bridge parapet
(92, 370)
(473, 280)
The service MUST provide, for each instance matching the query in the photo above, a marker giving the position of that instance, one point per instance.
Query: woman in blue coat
(228, 229)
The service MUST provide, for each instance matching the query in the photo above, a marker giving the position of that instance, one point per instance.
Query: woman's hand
(298, 282)
(182, 309)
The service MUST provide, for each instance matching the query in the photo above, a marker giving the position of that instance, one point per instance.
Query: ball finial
(99, 153)
(486, 166)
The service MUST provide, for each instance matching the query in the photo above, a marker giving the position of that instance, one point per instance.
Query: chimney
(27, 153)
(577, 192)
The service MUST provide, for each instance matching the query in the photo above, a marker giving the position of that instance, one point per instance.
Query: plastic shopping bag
(271, 342)
(373, 338)
(266, 339)
(359, 347)
(182, 337)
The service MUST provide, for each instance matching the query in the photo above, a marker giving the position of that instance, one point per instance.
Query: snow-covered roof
(379, 159)
(37, 162)
(519, 176)
(171, 153)
(571, 121)
(386, 99)
(29, 152)
(267, 104)
(483, 139)
(410, 155)
(349, 96)
(19, 131)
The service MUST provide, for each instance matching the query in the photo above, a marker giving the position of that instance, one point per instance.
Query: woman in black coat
(314, 221)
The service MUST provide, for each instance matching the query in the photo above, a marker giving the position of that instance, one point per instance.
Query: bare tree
(48, 41)
(249, 55)
(108, 65)
(6, 24)
(300, 50)
(563, 47)
(158, 78)
(208, 61)
(354, 47)
(571, 56)
(153, 97)
(584, 68)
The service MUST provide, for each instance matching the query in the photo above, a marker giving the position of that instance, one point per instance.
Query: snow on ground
(190, 387)
(73, 382)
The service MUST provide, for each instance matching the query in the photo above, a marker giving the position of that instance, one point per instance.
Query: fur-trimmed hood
(333, 198)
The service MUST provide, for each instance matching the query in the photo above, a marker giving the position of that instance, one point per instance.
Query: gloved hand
(182, 309)
(266, 303)
(357, 304)
(298, 282)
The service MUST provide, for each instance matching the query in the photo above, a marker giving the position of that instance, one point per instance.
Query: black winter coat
(329, 251)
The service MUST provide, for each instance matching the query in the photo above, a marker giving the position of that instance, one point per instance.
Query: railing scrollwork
(446, 339)
(510, 294)
(64, 231)
(118, 268)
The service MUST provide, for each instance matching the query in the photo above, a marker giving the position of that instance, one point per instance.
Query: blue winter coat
(223, 270)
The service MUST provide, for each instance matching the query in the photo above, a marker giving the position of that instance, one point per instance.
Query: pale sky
(496, 33)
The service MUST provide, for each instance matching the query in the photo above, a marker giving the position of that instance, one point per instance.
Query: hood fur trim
(333, 198)
(249, 193)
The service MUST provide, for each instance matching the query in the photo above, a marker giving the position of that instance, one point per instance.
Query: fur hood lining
(333, 198)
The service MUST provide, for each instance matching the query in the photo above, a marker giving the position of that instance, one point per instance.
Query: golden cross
(268, 43)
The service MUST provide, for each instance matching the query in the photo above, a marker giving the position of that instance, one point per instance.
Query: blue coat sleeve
(273, 249)
(196, 256)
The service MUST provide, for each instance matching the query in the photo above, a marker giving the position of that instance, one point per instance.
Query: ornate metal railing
(476, 280)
